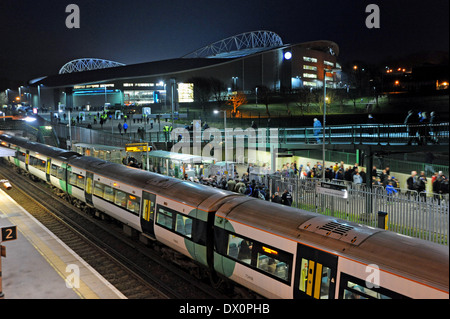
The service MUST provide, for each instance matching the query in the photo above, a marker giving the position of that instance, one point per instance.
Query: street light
(324, 115)
(225, 135)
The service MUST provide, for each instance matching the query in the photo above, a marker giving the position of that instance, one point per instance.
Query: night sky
(36, 42)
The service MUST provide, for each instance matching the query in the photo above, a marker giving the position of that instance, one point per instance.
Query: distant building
(239, 63)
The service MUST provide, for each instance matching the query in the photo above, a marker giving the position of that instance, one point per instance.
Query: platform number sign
(9, 233)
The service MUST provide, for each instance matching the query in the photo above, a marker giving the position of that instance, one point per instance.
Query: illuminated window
(328, 63)
(109, 194)
(185, 92)
(309, 59)
(143, 84)
(120, 198)
(183, 225)
(309, 83)
(310, 67)
(164, 218)
(133, 204)
(310, 75)
(239, 248)
(98, 189)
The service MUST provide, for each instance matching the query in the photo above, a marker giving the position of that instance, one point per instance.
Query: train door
(148, 213)
(315, 274)
(27, 160)
(48, 168)
(88, 188)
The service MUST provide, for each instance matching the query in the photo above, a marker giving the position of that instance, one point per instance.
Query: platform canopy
(6, 152)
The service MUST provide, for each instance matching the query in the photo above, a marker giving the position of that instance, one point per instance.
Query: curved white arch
(239, 45)
(87, 64)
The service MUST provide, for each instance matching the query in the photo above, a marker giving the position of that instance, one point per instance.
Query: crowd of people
(417, 184)
(422, 134)
(251, 188)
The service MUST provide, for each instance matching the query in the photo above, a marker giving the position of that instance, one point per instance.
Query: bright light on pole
(324, 115)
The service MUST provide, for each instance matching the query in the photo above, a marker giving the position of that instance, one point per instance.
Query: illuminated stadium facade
(239, 63)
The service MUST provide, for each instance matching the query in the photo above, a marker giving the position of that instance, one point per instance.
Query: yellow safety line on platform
(57, 264)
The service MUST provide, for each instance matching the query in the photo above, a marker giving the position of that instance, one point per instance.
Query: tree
(265, 95)
(237, 100)
(218, 91)
(202, 91)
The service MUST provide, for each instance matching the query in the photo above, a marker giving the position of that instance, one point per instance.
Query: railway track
(132, 267)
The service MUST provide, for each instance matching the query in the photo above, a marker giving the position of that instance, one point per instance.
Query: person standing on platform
(317, 129)
(286, 198)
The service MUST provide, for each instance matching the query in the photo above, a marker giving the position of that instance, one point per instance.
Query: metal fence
(423, 215)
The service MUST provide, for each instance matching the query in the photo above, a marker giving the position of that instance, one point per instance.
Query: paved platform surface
(40, 266)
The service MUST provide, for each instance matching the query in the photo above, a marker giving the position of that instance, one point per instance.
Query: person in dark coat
(276, 198)
(286, 198)
(411, 122)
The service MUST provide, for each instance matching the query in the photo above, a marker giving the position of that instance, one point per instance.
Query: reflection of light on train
(271, 249)
(6, 184)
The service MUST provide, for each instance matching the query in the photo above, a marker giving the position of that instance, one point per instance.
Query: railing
(368, 134)
(423, 215)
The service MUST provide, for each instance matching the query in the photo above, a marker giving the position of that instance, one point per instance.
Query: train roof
(186, 192)
(50, 151)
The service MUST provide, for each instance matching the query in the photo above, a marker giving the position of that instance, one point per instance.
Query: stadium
(243, 62)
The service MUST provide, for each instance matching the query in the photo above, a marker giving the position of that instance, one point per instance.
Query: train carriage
(315, 256)
(95, 182)
(183, 216)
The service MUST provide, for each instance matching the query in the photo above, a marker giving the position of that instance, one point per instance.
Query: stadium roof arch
(239, 45)
(88, 64)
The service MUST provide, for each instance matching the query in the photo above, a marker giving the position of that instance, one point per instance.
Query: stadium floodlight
(287, 55)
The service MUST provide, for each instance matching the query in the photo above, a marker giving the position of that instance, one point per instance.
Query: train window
(54, 170)
(99, 189)
(73, 179)
(20, 156)
(355, 291)
(33, 161)
(164, 218)
(355, 288)
(109, 194)
(41, 165)
(120, 198)
(240, 249)
(183, 225)
(273, 266)
(60, 173)
(133, 204)
(80, 181)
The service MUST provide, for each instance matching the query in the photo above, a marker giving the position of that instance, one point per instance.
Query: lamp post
(324, 115)
(225, 135)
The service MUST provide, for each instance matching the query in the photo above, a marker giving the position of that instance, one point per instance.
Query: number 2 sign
(8, 233)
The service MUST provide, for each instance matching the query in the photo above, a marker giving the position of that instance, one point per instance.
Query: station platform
(40, 266)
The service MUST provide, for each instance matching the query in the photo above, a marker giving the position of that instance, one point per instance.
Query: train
(270, 249)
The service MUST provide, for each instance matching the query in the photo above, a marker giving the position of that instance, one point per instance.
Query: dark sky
(35, 40)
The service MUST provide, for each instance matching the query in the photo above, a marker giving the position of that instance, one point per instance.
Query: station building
(243, 62)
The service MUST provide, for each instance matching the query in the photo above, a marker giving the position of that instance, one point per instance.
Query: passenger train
(273, 250)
